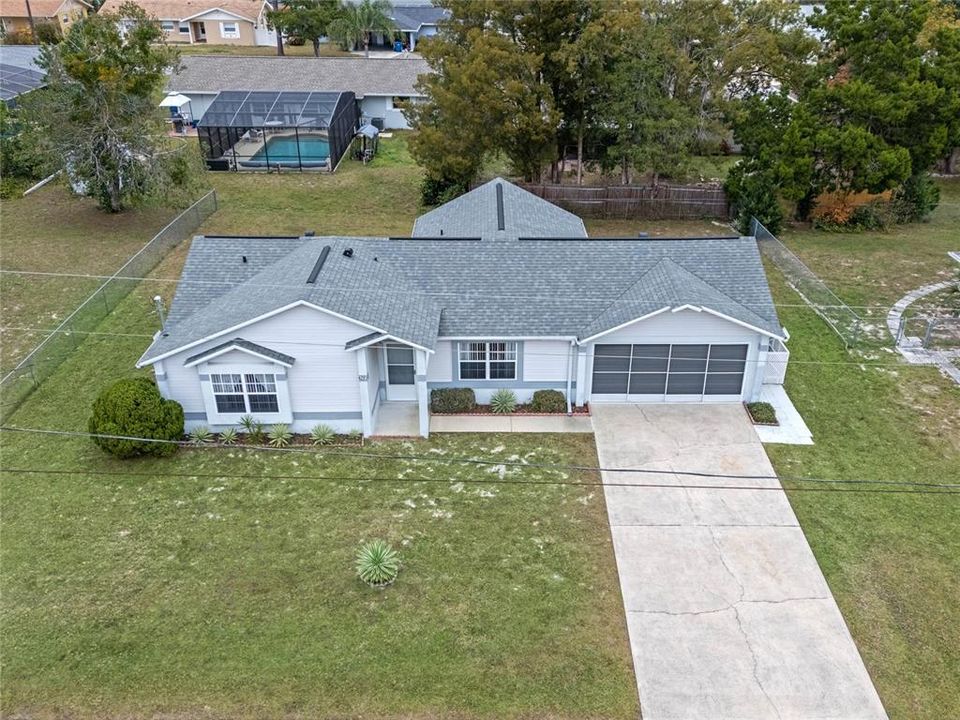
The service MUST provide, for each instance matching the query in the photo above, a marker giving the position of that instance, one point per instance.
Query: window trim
(512, 346)
(232, 35)
(206, 371)
(168, 25)
(184, 28)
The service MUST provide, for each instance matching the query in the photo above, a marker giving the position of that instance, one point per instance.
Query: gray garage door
(678, 372)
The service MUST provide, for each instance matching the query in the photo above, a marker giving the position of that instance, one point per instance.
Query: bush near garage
(548, 401)
(452, 400)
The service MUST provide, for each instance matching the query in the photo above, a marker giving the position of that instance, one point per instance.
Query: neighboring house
(381, 85)
(496, 289)
(19, 72)
(213, 22)
(15, 19)
(417, 21)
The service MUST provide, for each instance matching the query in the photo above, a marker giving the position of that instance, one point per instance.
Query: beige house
(15, 19)
(214, 22)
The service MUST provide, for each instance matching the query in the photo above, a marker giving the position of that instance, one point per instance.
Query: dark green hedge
(134, 408)
(548, 401)
(452, 400)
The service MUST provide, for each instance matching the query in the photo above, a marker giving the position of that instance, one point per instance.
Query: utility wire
(317, 452)
(526, 352)
(378, 479)
(384, 291)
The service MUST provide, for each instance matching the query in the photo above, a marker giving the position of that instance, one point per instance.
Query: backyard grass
(892, 560)
(53, 231)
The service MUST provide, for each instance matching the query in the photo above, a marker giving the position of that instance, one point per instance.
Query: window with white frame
(229, 30)
(245, 392)
(488, 360)
(167, 25)
(184, 28)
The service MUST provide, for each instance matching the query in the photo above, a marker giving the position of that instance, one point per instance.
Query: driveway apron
(728, 613)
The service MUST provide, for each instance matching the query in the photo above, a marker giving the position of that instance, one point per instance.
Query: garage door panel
(680, 372)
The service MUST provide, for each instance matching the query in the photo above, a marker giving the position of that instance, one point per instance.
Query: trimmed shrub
(548, 401)
(503, 401)
(133, 407)
(915, 199)
(452, 400)
(378, 564)
(762, 413)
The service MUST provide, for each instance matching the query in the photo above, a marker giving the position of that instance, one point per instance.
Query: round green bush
(548, 401)
(134, 408)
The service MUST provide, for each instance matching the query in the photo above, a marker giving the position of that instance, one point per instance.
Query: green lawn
(53, 231)
(182, 584)
(892, 561)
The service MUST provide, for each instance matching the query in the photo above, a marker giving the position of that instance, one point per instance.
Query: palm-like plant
(280, 435)
(378, 564)
(356, 22)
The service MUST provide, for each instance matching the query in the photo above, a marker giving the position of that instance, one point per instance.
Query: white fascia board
(246, 323)
(620, 327)
(217, 9)
(741, 323)
(388, 337)
(239, 348)
(495, 338)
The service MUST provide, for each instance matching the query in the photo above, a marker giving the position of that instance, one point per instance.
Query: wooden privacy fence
(644, 202)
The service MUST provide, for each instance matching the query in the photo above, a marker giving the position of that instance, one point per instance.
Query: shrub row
(461, 400)
(452, 400)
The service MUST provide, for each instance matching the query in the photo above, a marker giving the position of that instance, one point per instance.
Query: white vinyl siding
(440, 367)
(545, 360)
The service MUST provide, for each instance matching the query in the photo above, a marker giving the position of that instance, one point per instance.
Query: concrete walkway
(511, 423)
(912, 347)
(792, 430)
(728, 613)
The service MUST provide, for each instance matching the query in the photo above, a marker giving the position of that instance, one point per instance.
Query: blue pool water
(283, 149)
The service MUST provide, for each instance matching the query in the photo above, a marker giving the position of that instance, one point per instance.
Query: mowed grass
(53, 231)
(219, 582)
(892, 560)
(377, 199)
(878, 268)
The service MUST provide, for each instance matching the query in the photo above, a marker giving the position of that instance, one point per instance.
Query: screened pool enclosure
(277, 130)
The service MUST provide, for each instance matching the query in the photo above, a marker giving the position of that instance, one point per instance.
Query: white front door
(401, 373)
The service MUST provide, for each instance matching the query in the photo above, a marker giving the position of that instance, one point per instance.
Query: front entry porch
(397, 419)
(393, 386)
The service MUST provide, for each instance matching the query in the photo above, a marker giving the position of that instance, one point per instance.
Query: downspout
(573, 345)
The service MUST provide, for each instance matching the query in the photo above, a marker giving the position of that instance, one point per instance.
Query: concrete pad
(792, 430)
(551, 423)
(397, 419)
(469, 423)
(511, 423)
(728, 613)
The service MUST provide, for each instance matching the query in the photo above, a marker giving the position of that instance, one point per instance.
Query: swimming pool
(282, 150)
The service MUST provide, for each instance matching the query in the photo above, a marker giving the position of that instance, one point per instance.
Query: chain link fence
(849, 326)
(46, 357)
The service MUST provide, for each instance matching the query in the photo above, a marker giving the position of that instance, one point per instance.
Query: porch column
(760, 368)
(366, 422)
(423, 407)
(581, 376)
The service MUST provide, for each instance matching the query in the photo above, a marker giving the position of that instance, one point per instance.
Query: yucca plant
(356, 435)
(280, 435)
(201, 435)
(248, 423)
(228, 437)
(378, 564)
(503, 401)
(322, 434)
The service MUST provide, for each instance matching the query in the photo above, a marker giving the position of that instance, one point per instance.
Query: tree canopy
(354, 23)
(305, 19)
(97, 117)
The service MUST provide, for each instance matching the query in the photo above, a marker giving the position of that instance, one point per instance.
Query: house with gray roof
(380, 85)
(496, 289)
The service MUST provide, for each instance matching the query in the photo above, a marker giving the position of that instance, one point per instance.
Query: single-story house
(19, 72)
(14, 17)
(496, 289)
(380, 85)
(417, 21)
(214, 22)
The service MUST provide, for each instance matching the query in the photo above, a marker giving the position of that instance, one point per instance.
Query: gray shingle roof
(246, 345)
(411, 17)
(474, 214)
(418, 289)
(361, 76)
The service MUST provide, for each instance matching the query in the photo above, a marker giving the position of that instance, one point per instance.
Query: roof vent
(244, 258)
(309, 233)
(441, 232)
(348, 252)
(319, 264)
(501, 225)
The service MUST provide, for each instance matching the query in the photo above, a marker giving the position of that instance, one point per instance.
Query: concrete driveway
(728, 613)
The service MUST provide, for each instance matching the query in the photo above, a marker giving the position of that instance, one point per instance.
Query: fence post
(931, 324)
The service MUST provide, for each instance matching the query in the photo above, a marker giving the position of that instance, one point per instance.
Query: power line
(383, 291)
(378, 479)
(317, 452)
(526, 352)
